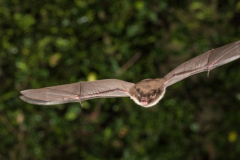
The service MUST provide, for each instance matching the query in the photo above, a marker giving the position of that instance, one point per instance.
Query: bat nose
(144, 100)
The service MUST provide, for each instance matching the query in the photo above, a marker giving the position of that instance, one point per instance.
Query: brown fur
(146, 87)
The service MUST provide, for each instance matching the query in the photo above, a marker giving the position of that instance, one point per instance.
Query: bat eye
(137, 93)
(153, 95)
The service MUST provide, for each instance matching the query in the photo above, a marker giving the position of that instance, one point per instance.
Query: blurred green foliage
(45, 43)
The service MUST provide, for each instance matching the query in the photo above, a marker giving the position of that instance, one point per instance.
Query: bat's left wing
(204, 62)
(77, 92)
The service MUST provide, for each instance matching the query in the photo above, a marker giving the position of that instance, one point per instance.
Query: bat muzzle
(144, 100)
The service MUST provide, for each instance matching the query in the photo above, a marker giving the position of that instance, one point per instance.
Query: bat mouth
(144, 100)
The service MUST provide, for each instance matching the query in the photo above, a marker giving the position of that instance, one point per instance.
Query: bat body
(146, 93)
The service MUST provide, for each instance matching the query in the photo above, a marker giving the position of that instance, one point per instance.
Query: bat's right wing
(204, 62)
(77, 92)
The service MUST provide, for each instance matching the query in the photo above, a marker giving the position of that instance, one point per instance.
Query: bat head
(147, 92)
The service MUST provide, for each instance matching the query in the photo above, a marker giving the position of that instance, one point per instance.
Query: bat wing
(77, 92)
(204, 62)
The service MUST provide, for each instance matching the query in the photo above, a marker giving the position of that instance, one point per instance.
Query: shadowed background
(47, 43)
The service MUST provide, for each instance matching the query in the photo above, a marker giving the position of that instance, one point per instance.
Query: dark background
(45, 43)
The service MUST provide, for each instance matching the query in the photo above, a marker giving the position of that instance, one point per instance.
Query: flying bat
(146, 93)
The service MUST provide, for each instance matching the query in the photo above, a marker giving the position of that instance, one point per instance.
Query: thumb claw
(208, 73)
(80, 103)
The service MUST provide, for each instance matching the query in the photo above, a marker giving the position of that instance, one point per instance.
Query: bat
(146, 93)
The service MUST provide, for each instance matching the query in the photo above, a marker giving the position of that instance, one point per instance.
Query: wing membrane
(204, 62)
(77, 92)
